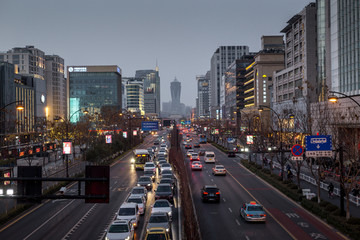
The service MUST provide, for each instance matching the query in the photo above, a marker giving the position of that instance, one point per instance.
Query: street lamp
(333, 98)
(67, 122)
(19, 105)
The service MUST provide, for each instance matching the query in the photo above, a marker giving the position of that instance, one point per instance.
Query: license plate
(211, 194)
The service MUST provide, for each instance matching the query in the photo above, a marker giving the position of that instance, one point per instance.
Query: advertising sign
(134, 132)
(108, 139)
(249, 139)
(150, 126)
(67, 148)
(124, 134)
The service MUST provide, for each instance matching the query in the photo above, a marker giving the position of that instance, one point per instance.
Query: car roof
(156, 230)
(195, 162)
(252, 203)
(209, 152)
(138, 187)
(219, 165)
(128, 205)
(163, 184)
(159, 214)
(210, 186)
(116, 222)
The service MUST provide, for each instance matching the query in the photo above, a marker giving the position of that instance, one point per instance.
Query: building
(295, 87)
(175, 89)
(221, 59)
(55, 87)
(135, 95)
(151, 81)
(202, 107)
(94, 88)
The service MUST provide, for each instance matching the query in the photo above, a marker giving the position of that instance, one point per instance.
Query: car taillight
(262, 215)
(205, 193)
(218, 193)
(249, 215)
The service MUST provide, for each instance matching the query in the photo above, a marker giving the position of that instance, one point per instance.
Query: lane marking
(247, 238)
(211, 179)
(49, 220)
(230, 210)
(237, 222)
(224, 199)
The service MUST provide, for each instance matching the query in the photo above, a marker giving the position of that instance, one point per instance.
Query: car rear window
(219, 167)
(134, 200)
(126, 211)
(118, 228)
(158, 219)
(164, 189)
(211, 190)
(161, 204)
(255, 208)
(210, 155)
(137, 191)
(156, 236)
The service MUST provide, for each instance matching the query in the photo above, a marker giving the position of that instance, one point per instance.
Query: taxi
(157, 233)
(253, 212)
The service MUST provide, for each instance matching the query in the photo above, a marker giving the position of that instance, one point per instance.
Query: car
(120, 229)
(168, 181)
(129, 212)
(171, 176)
(141, 202)
(157, 233)
(164, 191)
(201, 152)
(184, 142)
(196, 145)
(150, 150)
(156, 143)
(194, 157)
(162, 205)
(150, 173)
(163, 146)
(145, 181)
(161, 162)
(231, 154)
(165, 166)
(139, 191)
(189, 152)
(210, 193)
(154, 148)
(159, 219)
(188, 146)
(149, 166)
(162, 152)
(253, 212)
(209, 157)
(196, 165)
(218, 170)
(166, 171)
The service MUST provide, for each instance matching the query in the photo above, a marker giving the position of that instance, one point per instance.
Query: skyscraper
(175, 88)
(203, 95)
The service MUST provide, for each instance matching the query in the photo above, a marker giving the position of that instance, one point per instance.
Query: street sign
(231, 140)
(297, 158)
(297, 150)
(187, 122)
(318, 146)
(150, 126)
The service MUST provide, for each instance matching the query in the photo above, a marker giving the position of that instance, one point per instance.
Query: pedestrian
(355, 191)
(290, 175)
(331, 190)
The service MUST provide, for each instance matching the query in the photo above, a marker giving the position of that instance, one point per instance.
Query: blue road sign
(187, 122)
(297, 150)
(149, 126)
(318, 143)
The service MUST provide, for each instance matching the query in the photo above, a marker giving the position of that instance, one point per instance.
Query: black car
(188, 146)
(201, 152)
(164, 191)
(168, 181)
(166, 171)
(150, 173)
(196, 145)
(145, 181)
(231, 154)
(210, 193)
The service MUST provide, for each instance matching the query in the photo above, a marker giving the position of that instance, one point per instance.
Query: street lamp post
(19, 107)
(333, 98)
(67, 122)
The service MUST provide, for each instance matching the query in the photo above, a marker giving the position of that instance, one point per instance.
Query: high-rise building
(56, 87)
(203, 95)
(151, 81)
(296, 83)
(221, 59)
(94, 88)
(175, 89)
(135, 95)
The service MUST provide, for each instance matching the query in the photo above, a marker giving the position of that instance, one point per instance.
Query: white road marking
(230, 210)
(224, 199)
(211, 179)
(238, 223)
(247, 238)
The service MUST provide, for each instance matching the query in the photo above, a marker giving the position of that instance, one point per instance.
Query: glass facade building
(93, 88)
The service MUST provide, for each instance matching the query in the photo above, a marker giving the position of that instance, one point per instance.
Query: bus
(202, 138)
(140, 157)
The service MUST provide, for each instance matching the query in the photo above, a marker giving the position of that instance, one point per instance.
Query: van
(209, 157)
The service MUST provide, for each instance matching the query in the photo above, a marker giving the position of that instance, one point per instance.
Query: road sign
(297, 158)
(297, 150)
(318, 146)
(150, 126)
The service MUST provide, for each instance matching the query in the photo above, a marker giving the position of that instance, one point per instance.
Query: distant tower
(175, 88)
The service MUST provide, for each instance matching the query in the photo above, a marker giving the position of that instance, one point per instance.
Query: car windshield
(149, 165)
(209, 155)
(211, 190)
(138, 191)
(156, 236)
(118, 228)
(194, 154)
(161, 204)
(126, 211)
(255, 208)
(144, 179)
(164, 189)
(219, 167)
(167, 176)
(134, 200)
(148, 172)
(166, 165)
(158, 219)
(166, 171)
(196, 162)
(166, 181)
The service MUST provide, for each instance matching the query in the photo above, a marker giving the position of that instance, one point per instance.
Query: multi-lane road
(73, 219)
(285, 218)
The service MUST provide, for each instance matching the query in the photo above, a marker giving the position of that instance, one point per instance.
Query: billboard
(67, 147)
(150, 126)
(108, 139)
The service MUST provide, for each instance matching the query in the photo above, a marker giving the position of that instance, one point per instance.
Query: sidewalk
(354, 209)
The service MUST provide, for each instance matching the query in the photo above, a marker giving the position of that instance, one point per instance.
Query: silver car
(120, 229)
(159, 220)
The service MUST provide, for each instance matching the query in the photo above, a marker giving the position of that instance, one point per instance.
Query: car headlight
(167, 229)
(138, 184)
(132, 160)
(169, 213)
(149, 184)
(106, 238)
(127, 238)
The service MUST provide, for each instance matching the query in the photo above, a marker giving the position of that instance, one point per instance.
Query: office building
(55, 87)
(175, 89)
(221, 59)
(135, 95)
(202, 104)
(94, 88)
(151, 86)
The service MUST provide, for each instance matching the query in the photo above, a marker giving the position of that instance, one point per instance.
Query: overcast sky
(181, 35)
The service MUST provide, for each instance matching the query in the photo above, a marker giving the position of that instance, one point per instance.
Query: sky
(181, 36)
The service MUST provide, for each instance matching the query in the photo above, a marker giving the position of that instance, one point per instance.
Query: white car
(139, 191)
(149, 166)
(219, 170)
(162, 205)
(165, 166)
(141, 202)
(129, 212)
(189, 152)
(120, 229)
(209, 157)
